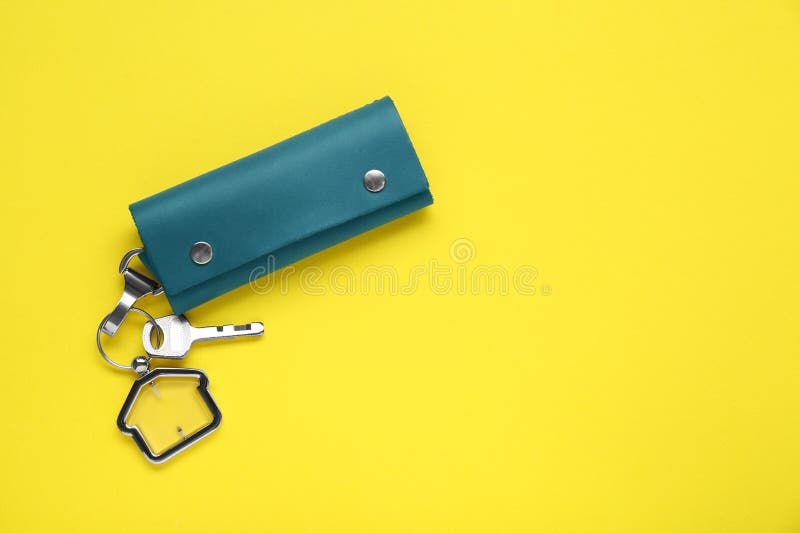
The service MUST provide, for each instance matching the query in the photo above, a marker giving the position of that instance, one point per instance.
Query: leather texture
(287, 201)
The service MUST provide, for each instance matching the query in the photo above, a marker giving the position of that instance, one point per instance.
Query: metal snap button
(201, 253)
(374, 180)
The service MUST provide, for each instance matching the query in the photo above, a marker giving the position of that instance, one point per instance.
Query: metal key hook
(137, 286)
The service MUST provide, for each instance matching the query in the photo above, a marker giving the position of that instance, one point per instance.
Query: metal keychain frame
(136, 434)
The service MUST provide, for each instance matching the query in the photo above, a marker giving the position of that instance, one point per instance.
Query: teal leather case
(287, 201)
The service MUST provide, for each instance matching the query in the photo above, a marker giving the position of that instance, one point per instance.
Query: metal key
(179, 334)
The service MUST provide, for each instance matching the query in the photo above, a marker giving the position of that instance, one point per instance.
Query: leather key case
(285, 203)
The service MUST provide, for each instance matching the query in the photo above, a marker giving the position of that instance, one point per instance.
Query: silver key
(178, 335)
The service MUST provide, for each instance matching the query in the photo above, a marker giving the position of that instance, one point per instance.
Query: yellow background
(642, 156)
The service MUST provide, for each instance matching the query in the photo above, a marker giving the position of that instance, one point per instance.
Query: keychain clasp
(137, 285)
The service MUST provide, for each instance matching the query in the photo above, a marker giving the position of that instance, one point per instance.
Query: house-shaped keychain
(167, 410)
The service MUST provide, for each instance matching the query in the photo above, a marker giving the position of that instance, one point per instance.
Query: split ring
(100, 330)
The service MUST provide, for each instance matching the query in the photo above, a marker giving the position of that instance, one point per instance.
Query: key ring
(103, 353)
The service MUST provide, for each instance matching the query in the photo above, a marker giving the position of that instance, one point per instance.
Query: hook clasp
(137, 286)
